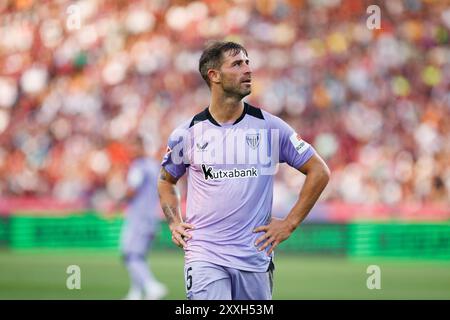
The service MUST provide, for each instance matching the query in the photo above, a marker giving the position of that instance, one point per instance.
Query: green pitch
(42, 275)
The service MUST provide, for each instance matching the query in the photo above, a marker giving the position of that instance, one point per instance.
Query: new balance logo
(211, 174)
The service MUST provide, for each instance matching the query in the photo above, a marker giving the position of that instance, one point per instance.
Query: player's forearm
(315, 183)
(170, 202)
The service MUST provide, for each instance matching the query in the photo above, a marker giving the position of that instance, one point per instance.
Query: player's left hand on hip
(274, 233)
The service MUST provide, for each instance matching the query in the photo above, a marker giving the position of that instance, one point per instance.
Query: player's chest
(229, 147)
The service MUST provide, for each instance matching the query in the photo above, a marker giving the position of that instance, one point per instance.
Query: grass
(42, 275)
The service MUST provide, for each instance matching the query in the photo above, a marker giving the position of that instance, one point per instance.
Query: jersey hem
(224, 264)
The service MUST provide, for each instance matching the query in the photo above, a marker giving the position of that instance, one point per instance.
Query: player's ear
(214, 75)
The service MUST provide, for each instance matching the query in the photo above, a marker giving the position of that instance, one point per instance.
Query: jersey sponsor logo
(252, 140)
(299, 144)
(211, 174)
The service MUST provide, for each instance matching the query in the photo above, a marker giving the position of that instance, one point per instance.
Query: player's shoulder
(184, 125)
(254, 111)
(179, 131)
(272, 120)
(198, 118)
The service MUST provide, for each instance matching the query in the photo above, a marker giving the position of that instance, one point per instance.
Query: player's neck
(226, 109)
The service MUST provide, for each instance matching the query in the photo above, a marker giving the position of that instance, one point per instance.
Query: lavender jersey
(142, 209)
(231, 171)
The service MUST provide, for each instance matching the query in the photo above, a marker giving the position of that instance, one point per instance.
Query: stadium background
(374, 103)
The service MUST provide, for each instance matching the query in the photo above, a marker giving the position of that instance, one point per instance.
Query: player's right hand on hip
(180, 234)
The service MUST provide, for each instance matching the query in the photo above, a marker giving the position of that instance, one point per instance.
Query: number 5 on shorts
(188, 279)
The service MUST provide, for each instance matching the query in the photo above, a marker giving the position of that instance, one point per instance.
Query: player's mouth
(249, 81)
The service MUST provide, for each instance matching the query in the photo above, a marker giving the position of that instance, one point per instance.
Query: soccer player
(140, 225)
(229, 235)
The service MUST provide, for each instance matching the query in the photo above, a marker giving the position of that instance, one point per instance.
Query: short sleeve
(292, 148)
(174, 161)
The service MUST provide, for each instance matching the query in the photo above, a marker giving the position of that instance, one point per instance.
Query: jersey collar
(213, 121)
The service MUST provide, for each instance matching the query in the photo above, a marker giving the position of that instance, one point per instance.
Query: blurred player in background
(140, 225)
(230, 234)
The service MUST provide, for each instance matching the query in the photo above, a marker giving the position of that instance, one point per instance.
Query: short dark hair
(212, 56)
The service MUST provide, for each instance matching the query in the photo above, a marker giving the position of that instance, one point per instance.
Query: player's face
(236, 74)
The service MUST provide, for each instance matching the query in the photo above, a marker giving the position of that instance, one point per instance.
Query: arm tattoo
(169, 212)
(165, 176)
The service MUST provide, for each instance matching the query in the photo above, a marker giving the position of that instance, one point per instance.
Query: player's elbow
(326, 172)
(322, 173)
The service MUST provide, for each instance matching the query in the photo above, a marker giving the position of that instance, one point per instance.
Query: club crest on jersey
(253, 139)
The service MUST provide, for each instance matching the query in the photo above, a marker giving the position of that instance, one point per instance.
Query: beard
(236, 89)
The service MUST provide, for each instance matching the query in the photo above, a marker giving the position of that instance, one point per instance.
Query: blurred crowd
(79, 79)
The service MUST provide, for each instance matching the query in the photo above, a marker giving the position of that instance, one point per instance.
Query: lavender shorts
(208, 281)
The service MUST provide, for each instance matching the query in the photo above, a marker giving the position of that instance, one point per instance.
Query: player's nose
(247, 69)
